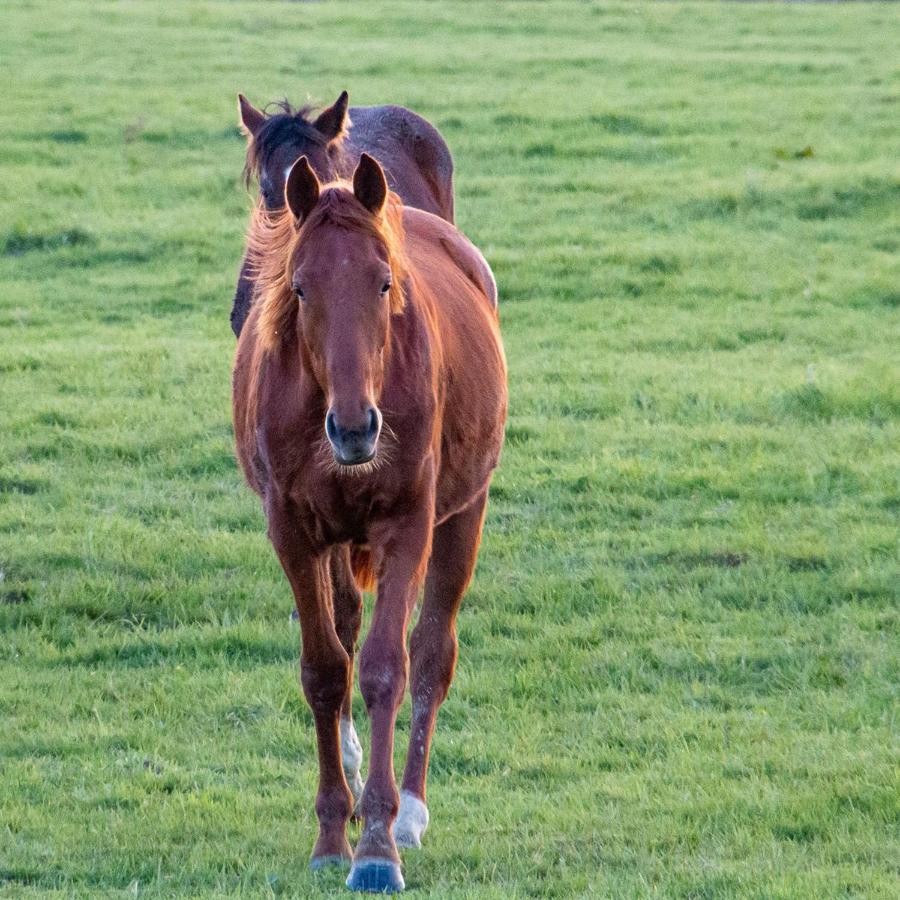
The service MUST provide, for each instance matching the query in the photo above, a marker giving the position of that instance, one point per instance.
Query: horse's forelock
(338, 206)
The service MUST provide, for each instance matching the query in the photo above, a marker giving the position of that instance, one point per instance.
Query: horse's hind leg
(347, 619)
(433, 650)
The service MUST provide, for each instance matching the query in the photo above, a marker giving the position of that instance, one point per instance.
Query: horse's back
(416, 159)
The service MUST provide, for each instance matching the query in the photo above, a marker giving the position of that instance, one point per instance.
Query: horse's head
(344, 273)
(276, 141)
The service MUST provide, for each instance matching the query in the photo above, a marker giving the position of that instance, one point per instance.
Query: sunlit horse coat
(369, 407)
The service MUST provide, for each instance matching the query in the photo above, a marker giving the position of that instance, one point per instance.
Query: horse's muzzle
(356, 445)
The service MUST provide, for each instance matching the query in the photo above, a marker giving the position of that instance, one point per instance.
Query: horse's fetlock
(333, 806)
(380, 809)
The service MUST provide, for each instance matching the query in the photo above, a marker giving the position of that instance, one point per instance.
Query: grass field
(679, 660)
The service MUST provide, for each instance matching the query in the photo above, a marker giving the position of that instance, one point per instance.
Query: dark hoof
(377, 876)
(324, 862)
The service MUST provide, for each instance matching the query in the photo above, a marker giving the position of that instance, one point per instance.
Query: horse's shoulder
(456, 247)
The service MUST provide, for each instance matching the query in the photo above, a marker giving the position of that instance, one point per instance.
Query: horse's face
(273, 173)
(341, 282)
(341, 279)
(278, 141)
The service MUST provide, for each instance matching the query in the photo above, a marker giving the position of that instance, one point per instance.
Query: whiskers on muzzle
(385, 451)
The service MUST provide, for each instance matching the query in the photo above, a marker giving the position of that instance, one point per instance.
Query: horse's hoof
(411, 822)
(332, 859)
(377, 876)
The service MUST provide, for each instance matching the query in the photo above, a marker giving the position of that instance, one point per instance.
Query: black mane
(288, 124)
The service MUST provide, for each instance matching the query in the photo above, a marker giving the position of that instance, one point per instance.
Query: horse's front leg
(433, 649)
(403, 552)
(324, 674)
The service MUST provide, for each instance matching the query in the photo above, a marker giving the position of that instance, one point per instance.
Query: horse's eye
(386, 287)
(298, 293)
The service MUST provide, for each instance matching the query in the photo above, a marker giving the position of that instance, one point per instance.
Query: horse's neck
(414, 339)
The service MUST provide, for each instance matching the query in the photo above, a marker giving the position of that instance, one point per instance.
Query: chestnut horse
(369, 408)
(417, 161)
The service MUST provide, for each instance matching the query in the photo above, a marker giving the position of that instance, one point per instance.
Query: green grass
(679, 660)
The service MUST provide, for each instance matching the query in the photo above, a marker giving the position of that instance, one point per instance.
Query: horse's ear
(251, 117)
(301, 190)
(332, 121)
(369, 185)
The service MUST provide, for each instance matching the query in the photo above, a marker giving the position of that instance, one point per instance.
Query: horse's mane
(272, 241)
(287, 124)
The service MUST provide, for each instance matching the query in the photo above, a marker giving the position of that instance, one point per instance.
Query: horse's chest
(336, 509)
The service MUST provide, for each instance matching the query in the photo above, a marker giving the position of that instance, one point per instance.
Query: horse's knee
(437, 644)
(325, 684)
(433, 661)
(382, 680)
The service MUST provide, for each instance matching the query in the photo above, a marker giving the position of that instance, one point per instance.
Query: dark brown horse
(415, 157)
(369, 407)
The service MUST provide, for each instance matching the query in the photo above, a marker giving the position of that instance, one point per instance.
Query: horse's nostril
(351, 445)
(331, 427)
(373, 422)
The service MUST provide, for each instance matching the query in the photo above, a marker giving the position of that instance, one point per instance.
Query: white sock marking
(411, 821)
(351, 758)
